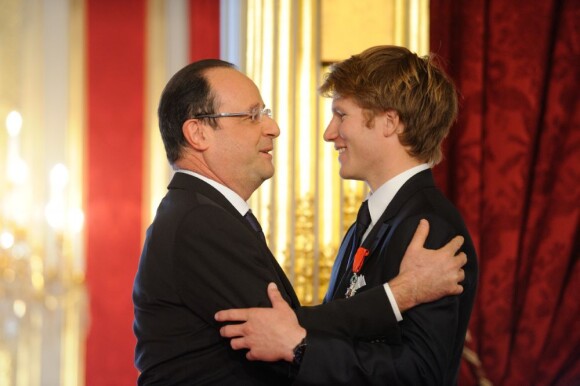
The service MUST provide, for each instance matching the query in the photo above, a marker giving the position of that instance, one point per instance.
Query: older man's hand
(426, 275)
(270, 334)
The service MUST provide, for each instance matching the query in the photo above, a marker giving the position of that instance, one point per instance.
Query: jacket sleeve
(368, 315)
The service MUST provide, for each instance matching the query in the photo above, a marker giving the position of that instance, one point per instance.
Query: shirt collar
(382, 197)
(234, 198)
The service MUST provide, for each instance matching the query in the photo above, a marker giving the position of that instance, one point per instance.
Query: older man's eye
(259, 114)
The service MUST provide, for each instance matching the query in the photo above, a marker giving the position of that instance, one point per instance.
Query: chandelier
(42, 294)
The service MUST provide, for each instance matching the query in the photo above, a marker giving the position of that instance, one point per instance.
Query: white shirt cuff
(393, 302)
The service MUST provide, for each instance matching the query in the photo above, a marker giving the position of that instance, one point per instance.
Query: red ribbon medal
(359, 259)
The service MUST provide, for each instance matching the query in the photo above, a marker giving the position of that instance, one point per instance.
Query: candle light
(14, 124)
(56, 207)
(16, 208)
(76, 219)
(6, 240)
(17, 170)
(55, 213)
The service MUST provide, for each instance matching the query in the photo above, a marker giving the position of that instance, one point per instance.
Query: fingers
(420, 235)
(460, 276)
(460, 260)
(232, 330)
(458, 290)
(457, 285)
(453, 246)
(233, 315)
(239, 343)
(275, 296)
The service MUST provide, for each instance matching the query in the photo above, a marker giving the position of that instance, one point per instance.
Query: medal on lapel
(357, 281)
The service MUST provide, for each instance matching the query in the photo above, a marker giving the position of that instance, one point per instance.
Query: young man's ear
(196, 134)
(392, 123)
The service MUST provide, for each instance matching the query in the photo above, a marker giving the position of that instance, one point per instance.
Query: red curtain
(115, 111)
(116, 71)
(204, 29)
(513, 168)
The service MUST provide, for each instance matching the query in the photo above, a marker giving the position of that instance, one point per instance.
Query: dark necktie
(249, 216)
(363, 220)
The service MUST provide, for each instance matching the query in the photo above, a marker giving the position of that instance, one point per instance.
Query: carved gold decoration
(302, 265)
(354, 194)
(327, 256)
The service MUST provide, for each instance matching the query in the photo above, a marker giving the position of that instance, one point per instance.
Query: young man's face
(358, 145)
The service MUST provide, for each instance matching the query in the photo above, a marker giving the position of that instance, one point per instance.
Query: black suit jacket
(431, 335)
(201, 256)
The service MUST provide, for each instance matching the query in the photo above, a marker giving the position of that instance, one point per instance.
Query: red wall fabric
(204, 28)
(116, 36)
(116, 57)
(512, 167)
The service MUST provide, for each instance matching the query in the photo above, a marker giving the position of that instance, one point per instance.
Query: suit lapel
(336, 268)
(197, 186)
(394, 213)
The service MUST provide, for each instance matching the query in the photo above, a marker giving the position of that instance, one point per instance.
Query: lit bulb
(54, 215)
(17, 171)
(59, 176)
(76, 220)
(13, 123)
(19, 308)
(6, 240)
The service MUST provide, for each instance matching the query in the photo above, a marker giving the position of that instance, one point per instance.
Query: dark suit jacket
(201, 256)
(431, 335)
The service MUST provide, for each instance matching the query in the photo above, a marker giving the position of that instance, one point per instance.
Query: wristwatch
(299, 352)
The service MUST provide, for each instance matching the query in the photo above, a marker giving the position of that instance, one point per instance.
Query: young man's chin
(348, 175)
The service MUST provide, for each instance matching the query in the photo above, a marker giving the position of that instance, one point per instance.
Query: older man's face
(240, 153)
